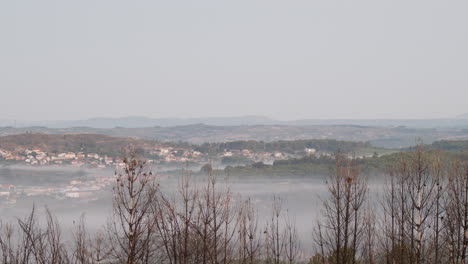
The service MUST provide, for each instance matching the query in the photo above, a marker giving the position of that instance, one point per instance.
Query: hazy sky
(285, 59)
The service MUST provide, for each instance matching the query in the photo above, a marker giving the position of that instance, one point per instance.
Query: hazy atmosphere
(233, 132)
(282, 59)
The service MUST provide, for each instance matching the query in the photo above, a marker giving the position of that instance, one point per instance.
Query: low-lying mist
(301, 196)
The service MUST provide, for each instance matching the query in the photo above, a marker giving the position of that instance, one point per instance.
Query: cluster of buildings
(75, 189)
(175, 155)
(38, 157)
(92, 189)
(156, 155)
(265, 157)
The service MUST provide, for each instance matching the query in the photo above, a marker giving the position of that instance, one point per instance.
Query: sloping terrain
(70, 143)
(396, 137)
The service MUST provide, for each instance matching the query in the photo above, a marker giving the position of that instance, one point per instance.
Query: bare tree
(414, 207)
(81, 245)
(318, 237)
(456, 217)
(369, 237)
(41, 245)
(421, 188)
(438, 225)
(197, 225)
(292, 241)
(359, 194)
(249, 241)
(390, 218)
(9, 252)
(342, 218)
(189, 198)
(132, 225)
(86, 248)
(276, 238)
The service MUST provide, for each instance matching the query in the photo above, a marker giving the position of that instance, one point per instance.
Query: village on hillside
(161, 155)
(90, 189)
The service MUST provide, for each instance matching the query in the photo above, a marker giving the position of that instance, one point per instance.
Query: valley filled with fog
(70, 193)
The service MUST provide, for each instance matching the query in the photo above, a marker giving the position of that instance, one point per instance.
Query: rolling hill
(389, 137)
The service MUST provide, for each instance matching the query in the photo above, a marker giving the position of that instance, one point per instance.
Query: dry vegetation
(70, 142)
(422, 217)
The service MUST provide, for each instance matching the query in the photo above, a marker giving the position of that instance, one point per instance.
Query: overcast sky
(286, 59)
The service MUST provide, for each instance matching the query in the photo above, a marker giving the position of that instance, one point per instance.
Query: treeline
(113, 146)
(292, 146)
(421, 217)
(321, 165)
(89, 143)
(311, 165)
(450, 145)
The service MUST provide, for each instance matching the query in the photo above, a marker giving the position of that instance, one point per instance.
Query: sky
(67, 60)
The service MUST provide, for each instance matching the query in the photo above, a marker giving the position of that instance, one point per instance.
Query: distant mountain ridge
(412, 123)
(146, 122)
(140, 122)
(393, 137)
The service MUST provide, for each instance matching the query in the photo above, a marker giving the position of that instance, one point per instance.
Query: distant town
(83, 190)
(162, 155)
(89, 189)
(80, 166)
